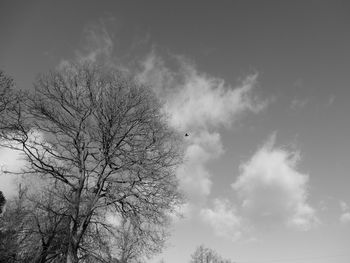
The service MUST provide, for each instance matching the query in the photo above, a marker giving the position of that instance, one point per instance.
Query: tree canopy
(101, 146)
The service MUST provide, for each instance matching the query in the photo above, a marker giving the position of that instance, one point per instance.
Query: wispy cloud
(98, 44)
(224, 219)
(345, 216)
(331, 100)
(195, 179)
(297, 104)
(272, 190)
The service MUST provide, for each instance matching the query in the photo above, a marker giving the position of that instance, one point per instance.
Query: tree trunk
(72, 253)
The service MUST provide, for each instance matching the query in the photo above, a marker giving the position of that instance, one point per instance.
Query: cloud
(298, 103)
(345, 216)
(98, 47)
(196, 100)
(272, 190)
(157, 75)
(331, 100)
(13, 161)
(223, 218)
(98, 44)
(10, 160)
(198, 104)
(194, 177)
(343, 206)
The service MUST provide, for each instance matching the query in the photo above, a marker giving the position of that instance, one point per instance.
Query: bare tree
(49, 224)
(9, 104)
(6, 99)
(106, 140)
(13, 231)
(30, 233)
(207, 255)
(6, 87)
(135, 246)
(35, 227)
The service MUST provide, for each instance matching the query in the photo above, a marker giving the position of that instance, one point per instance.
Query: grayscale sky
(262, 88)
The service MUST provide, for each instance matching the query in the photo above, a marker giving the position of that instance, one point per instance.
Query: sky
(262, 89)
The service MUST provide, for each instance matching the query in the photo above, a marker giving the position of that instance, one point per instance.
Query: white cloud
(195, 100)
(198, 104)
(223, 218)
(272, 190)
(205, 102)
(194, 177)
(343, 206)
(345, 216)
